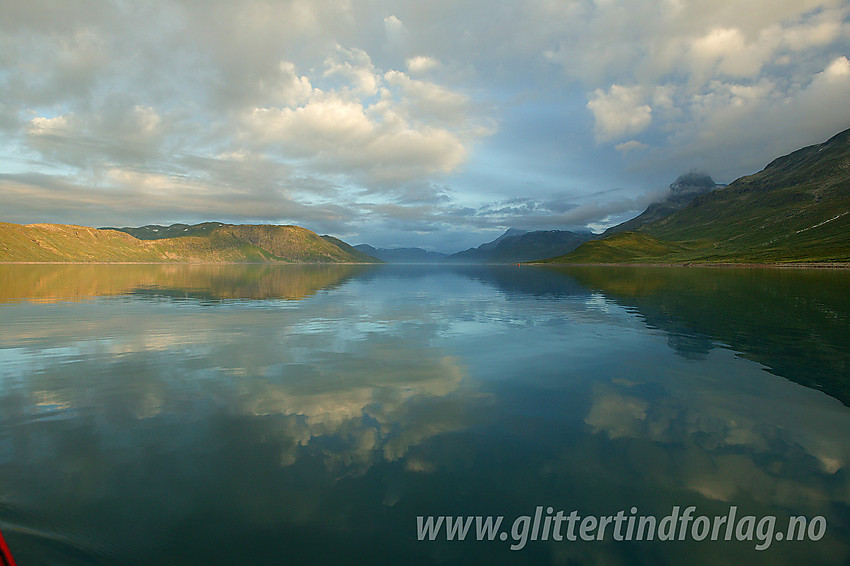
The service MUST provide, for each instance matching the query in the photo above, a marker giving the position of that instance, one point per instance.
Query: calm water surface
(308, 414)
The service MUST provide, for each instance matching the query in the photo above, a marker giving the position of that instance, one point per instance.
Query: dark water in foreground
(307, 414)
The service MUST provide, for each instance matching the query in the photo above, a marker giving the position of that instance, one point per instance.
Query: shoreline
(177, 263)
(748, 265)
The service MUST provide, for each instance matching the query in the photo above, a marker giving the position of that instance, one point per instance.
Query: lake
(262, 414)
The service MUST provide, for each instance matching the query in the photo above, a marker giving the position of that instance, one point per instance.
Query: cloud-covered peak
(692, 182)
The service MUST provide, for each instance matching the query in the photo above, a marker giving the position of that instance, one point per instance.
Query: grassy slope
(57, 242)
(623, 247)
(795, 210)
(225, 243)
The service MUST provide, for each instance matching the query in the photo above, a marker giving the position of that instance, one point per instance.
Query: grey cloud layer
(357, 118)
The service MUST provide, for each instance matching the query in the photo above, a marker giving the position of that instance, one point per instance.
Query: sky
(436, 124)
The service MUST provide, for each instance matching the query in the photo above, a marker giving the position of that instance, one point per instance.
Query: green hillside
(157, 232)
(797, 209)
(630, 247)
(210, 243)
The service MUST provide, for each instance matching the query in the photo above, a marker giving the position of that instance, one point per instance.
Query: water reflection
(182, 414)
(51, 282)
(168, 413)
(795, 322)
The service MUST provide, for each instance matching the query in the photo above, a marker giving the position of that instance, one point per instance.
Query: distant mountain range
(401, 255)
(797, 209)
(513, 246)
(211, 242)
(518, 245)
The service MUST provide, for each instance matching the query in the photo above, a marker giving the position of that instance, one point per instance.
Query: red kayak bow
(5, 554)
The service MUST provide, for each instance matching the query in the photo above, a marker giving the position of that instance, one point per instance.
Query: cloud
(242, 191)
(735, 125)
(41, 126)
(356, 69)
(619, 112)
(838, 69)
(284, 86)
(395, 30)
(377, 128)
(725, 51)
(625, 57)
(243, 133)
(342, 135)
(631, 145)
(432, 102)
(422, 64)
(119, 132)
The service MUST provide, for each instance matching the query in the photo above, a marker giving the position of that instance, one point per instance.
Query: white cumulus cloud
(422, 64)
(619, 112)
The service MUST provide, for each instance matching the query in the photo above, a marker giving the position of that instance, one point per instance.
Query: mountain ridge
(214, 243)
(679, 195)
(518, 246)
(401, 255)
(795, 210)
